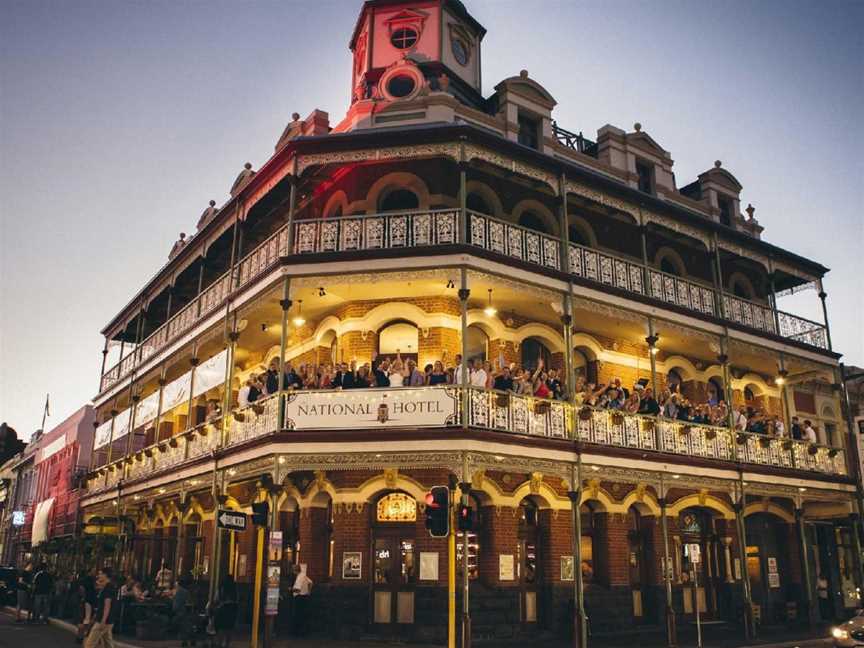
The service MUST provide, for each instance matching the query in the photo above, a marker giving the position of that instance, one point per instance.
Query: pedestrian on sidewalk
(22, 586)
(87, 601)
(107, 611)
(43, 583)
(180, 611)
(223, 611)
(302, 589)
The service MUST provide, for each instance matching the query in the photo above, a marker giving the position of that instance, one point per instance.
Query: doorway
(528, 560)
(394, 564)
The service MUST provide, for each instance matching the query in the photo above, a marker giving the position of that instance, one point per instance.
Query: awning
(40, 521)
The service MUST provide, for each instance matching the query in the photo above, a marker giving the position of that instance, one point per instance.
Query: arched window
(531, 351)
(748, 394)
(396, 507)
(533, 221)
(476, 202)
(739, 289)
(716, 393)
(588, 566)
(399, 200)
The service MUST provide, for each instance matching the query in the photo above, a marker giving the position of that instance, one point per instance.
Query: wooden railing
(428, 228)
(487, 409)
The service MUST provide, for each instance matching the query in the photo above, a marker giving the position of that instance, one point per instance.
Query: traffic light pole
(465, 487)
(259, 571)
(451, 581)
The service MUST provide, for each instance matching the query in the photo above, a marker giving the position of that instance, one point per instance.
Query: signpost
(695, 558)
(231, 520)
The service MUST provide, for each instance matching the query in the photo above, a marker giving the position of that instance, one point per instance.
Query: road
(14, 635)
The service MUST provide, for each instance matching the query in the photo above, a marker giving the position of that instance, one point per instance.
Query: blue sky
(120, 120)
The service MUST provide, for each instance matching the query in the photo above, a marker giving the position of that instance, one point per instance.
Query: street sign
(231, 520)
(694, 551)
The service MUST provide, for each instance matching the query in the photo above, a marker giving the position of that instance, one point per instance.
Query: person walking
(224, 612)
(179, 608)
(22, 587)
(87, 597)
(106, 613)
(301, 589)
(42, 586)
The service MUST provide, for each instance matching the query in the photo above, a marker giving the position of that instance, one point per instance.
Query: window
(533, 350)
(403, 38)
(529, 131)
(396, 507)
(401, 86)
(748, 394)
(673, 381)
(725, 206)
(645, 176)
(576, 236)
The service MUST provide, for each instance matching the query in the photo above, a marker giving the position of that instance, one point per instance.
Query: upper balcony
(440, 230)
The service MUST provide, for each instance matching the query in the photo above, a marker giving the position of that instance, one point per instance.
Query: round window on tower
(403, 38)
(460, 51)
(401, 85)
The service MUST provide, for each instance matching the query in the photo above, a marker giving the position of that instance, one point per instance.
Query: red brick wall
(555, 541)
(350, 533)
(499, 536)
(617, 549)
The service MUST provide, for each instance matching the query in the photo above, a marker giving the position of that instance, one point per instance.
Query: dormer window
(529, 131)
(645, 176)
(726, 210)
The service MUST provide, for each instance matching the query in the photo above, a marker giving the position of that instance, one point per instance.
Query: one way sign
(231, 520)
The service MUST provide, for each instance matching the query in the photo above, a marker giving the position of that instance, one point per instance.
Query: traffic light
(438, 511)
(465, 518)
(260, 513)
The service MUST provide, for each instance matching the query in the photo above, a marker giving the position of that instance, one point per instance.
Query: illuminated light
(801, 489)
(499, 458)
(281, 460)
(232, 472)
(299, 320)
(137, 497)
(161, 491)
(839, 633)
(595, 468)
(378, 456)
(490, 310)
(779, 380)
(654, 350)
(676, 476)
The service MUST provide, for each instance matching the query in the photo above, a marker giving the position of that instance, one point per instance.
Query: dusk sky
(120, 120)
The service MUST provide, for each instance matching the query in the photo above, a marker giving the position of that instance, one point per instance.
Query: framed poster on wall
(352, 565)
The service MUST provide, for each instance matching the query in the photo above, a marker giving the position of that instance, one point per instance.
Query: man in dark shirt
(503, 381)
(291, 380)
(796, 428)
(42, 583)
(106, 613)
(648, 404)
(271, 381)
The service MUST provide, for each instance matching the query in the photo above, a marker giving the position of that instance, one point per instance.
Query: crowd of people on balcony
(539, 382)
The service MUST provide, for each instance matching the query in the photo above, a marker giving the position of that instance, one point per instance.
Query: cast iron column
(671, 629)
(580, 624)
(807, 584)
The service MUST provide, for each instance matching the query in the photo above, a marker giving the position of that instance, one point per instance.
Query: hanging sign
(693, 552)
(210, 373)
(231, 520)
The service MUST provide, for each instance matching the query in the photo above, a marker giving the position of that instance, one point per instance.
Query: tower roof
(457, 7)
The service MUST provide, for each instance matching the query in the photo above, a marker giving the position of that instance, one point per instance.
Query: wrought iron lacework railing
(441, 227)
(502, 412)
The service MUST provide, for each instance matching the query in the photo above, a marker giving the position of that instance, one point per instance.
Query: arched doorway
(191, 554)
(639, 540)
(476, 202)
(699, 575)
(399, 200)
(400, 337)
(288, 522)
(394, 563)
(528, 563)
(478, 344)
(533, 221)
(531, 351)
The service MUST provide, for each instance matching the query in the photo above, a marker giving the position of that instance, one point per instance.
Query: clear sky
(120, 120)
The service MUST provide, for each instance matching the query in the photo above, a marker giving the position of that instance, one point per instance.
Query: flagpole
(45, 411)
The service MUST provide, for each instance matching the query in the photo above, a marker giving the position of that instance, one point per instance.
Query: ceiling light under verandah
(490, 310)
(299, 320)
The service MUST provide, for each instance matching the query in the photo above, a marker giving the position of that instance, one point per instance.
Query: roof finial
(295, 116)
(637, 127)
(212, 203)
(248, 165)
(523, 74)
(750, 211)
(717, 164)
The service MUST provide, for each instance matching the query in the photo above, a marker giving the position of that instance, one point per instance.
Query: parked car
(851, 633)
(8, 578)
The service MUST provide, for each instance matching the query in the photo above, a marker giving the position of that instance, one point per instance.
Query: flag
(47, 405)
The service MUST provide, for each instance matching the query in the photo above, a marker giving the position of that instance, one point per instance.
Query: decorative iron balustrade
(514, 241)
(376, 231)
(575, 141)
(441, 227)
(442, 406)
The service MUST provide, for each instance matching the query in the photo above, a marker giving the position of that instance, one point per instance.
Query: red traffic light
(438, 511)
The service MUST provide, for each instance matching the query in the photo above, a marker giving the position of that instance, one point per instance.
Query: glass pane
(405, 607)
(382, 606)
(407, 556)
(473, 548)
(587, 543)
(530, 562)
(383, 561)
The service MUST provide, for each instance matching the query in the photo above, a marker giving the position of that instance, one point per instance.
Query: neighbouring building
(433, 222)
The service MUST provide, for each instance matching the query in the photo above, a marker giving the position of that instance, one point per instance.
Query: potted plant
(586, 413)
(685, 430)
(812, 449)
(765, 441)
(617, 418)
(710, 433)
(787, 444)
(741, 438)
(832, 452)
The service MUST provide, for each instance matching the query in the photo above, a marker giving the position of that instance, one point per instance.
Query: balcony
(446, 407)
(438, 228)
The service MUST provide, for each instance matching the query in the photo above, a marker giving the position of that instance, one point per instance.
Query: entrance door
(638, 540)
(529, 561)
(697, 575)
(394, 577)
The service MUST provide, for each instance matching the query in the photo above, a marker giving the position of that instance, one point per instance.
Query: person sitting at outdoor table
(164, 577)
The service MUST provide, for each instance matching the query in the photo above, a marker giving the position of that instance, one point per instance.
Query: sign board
(18, 518)
(506, 570)
(369, 409)
(275, 552)
(429, 565)
(693, 552)
(772, 565)
(352, 565)
(231, 520)
(773, 580)
(271, 605)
